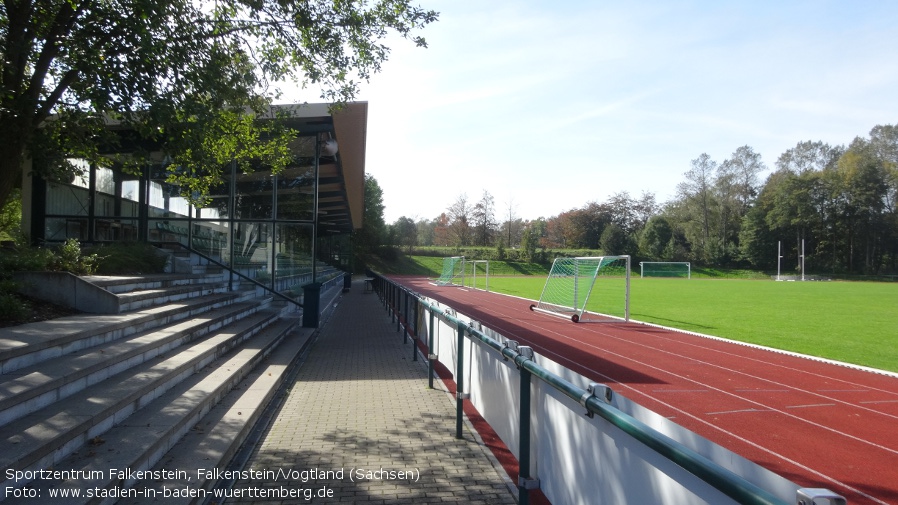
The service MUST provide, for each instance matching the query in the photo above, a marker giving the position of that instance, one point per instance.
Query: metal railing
(232, 271)
(596, 399)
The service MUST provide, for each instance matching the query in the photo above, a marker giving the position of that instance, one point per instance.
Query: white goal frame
(643, 263)
(580, 274)
(474, 264)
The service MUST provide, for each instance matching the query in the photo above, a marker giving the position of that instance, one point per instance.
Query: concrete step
(46, 436)
(31, 388)
(216, 439)
(141, 441)
(29, 344)
(138, 299)
(126, 283)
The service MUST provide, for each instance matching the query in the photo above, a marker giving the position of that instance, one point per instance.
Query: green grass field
(855, 322)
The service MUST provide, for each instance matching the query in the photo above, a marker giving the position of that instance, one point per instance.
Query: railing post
(460, 381)
(431, 354)
(392, 307)
(524, 438)
(405, 315)
(415, 330)
(398, 302)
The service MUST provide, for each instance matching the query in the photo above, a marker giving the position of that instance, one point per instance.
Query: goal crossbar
(665, 269)
(572, 281)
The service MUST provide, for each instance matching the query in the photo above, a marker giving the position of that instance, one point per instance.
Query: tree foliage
(188, 76)
(373, 231)
(483, 217)
(406, 232)
(459, 216)
(842, 202)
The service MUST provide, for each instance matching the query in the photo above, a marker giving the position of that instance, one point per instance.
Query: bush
(12, 307)
(69, 258)
(24, 259)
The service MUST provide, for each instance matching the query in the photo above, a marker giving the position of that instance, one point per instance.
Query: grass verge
(852, 322)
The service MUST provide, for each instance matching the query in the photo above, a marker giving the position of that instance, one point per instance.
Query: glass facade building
(281, 230)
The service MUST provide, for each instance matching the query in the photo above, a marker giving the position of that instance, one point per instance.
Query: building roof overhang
(341, 183)
(341, 178)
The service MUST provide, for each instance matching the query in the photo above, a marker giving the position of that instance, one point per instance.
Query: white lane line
(737, 411)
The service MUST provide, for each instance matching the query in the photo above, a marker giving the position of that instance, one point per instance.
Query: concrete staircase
(173, 382)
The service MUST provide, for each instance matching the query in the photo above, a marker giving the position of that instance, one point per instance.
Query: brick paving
(359, 415)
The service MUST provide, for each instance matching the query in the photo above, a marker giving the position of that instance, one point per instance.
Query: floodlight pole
(779, 258)
(802, 259)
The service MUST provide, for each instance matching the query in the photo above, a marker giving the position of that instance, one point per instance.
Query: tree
(645, 208)
(566, 230)
(426, 228)
(862, 188)
(745, 166)
(735, 187)
(11, 217)
(483, 219)
(884, 143)
(596, 216)
(655, 237)
(529, 242)
(372, 234)
(696, 201)
(512, 226)
(441, 228)
(757, 242)
(406, 232)
(459, 214)
(614, 241)
(183, 74)
(808, 156)
(625, 212)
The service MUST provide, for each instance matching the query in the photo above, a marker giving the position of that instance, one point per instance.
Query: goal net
(587, 289)
(665, 269)
(453, 272)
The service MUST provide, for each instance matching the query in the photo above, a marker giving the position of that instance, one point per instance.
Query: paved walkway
(361, 426)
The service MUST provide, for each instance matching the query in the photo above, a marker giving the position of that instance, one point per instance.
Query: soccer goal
(665, 269)
(480, 274)
(588, 289)
(453, 272)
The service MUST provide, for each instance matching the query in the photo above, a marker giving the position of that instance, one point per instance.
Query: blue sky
(550, 105)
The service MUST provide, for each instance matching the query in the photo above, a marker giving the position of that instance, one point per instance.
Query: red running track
(817, 424)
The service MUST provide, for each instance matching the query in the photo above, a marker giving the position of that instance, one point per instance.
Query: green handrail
(722, 479)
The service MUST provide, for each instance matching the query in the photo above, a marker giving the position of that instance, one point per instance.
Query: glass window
(67, 199)
(115, 230)
(105, 180)
(210, 238)
(251, 254)
(253, 196)
(295, 193)
(217, 207)
(58, 229)
(293, 258)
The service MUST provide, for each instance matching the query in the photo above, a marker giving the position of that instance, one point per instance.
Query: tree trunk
(15, 133)
(11, 158)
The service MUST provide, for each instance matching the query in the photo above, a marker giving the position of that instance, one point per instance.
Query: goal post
(588, 288)
(453, 273)
(665, 269)
(480, 274)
